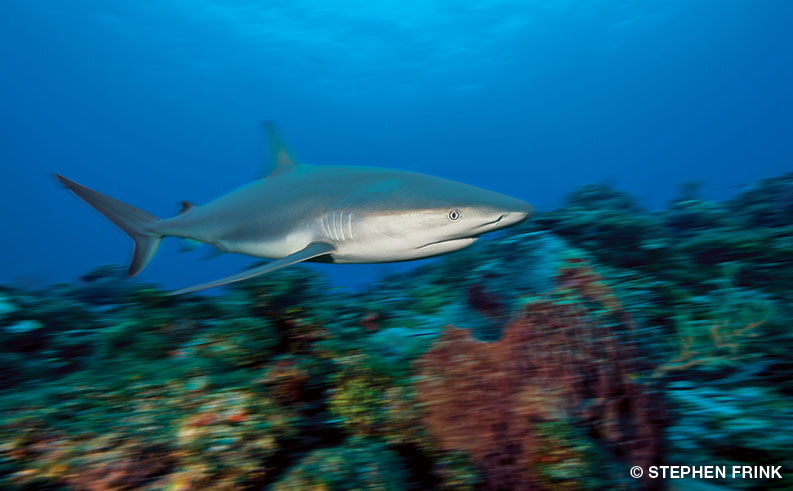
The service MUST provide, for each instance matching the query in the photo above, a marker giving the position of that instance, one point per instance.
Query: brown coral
(286, 379)
(577, 276)
(557, 361)
(468, 402)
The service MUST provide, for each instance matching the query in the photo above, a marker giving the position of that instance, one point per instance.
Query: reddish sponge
(555, 364)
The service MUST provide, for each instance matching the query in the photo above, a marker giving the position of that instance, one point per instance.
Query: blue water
(155, 102)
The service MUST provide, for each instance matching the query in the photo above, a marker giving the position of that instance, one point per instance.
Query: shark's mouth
(459, 242)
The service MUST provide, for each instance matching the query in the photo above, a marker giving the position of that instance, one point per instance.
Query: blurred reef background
(555, 355)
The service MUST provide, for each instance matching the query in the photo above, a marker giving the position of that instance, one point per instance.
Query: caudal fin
(137, 223)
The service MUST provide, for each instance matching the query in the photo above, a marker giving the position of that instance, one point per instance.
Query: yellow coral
(721, 338)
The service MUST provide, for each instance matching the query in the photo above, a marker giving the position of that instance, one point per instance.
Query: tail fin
(137, 223)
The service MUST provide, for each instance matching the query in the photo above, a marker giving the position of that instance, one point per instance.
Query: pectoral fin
(311, 251)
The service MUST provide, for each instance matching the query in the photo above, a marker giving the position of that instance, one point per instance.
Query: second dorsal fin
(186, 206)
(278, 160)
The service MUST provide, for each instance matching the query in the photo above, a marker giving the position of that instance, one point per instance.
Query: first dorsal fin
(278, 160)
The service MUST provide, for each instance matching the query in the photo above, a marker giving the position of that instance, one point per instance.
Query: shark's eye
(455, 215)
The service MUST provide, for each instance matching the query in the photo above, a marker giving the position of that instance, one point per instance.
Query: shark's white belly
(270, 249)
(385, 250)
(347, 251)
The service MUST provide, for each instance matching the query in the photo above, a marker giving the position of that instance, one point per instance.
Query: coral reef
(553, 356)
(358, 464)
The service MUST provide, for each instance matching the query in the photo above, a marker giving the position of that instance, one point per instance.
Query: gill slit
(349, 225)
(337, 224)
(326, 227)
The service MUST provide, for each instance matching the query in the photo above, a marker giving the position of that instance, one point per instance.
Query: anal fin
(213, 253)
(311, 251)
(189, 245)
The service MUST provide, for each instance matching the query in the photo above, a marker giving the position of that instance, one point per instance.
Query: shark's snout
(514, 212)
(505, 217)
(523, 211)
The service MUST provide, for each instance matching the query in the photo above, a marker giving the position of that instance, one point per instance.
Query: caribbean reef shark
(339, 214)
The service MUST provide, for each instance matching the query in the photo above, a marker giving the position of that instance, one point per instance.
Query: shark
(297, 212)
